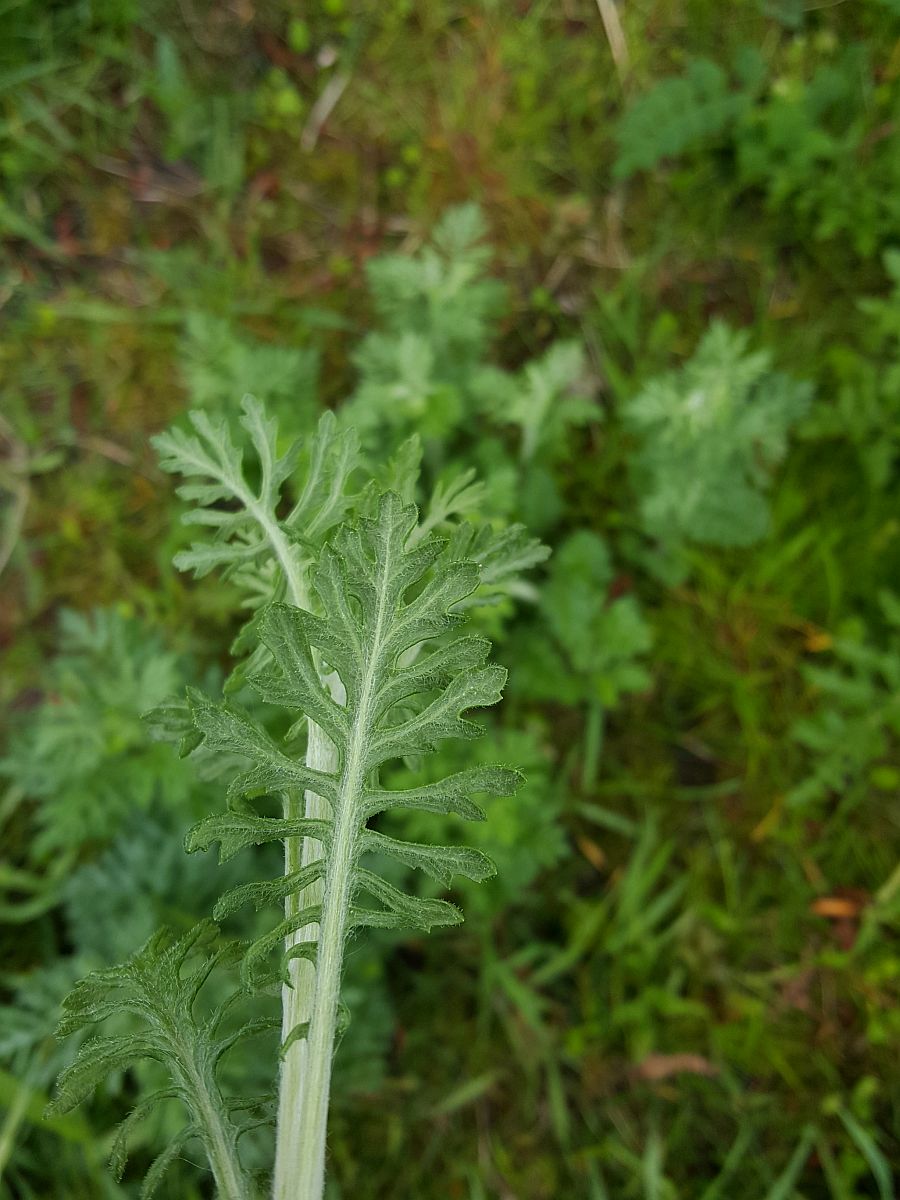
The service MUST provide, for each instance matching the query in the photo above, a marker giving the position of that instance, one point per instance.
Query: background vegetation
(668, 339)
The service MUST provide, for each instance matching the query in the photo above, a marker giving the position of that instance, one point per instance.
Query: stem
(231, 1183)
(218, 1137)
(304, 1179)
(297, 999)
(300, 1162)
(302, 1096)
(297, 995)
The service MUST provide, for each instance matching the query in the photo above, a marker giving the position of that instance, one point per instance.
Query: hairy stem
(218, 1137)
(308, 1181)
(297, 996)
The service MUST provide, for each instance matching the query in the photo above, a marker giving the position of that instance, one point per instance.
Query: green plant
(710, 435)
(364, 650)
(84, 758)
(805, 134)
(424, 369)
(430, 369)
(851, 735)
(588, 647)
(220, 364)
(862, 404)
(676, 115)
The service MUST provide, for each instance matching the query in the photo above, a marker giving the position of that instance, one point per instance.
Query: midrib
(305, 1173)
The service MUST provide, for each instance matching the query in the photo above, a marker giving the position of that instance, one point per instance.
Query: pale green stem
(296, 999)
(218, 1137)
(231, 1183)
(297, 994)
(295, 1146)
(305, 1178)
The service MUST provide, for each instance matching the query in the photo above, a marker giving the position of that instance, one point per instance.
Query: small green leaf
(440, 862)
(297, 1034)
(263, 946)
(283, 629)
(235, 830)
(441, 718)
(171, 722)
(231, 731)
(162, 1162)
(401, 911)
(449, 795)
(95, 1060)
(118, 1155)
(269, 891)
(248, 1029)
(307, 951)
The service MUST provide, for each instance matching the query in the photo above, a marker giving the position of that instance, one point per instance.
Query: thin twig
(106, 449)
(615, 35)
(322, 109)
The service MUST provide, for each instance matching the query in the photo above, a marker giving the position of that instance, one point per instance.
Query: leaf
(870, 1151)
(440, 862)
(325, 500)
(171, 721)
(419, 369)
(95, 1060)
(268, 891)
(263, 946)
(383, 592)
(85, 759)
(457, 495)
(547, 401)
(163, 1161)
(248, 1029)
(236, 830)
(448, 795)
(783, 1188)
(675, 116)
(221, 363)
(297, 1034)
(118, 1155)
(283, 629)
(247, 540)
(441, 718)
(711, 435)
(400, 911)
(225, 729)
(159, 985)
(505, 554)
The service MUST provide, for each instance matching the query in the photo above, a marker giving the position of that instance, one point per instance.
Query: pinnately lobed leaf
(384, 601)
(369, 655)
(245, 540)
(388, 613)
(159, 986)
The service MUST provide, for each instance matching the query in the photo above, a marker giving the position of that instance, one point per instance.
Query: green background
(684, 982)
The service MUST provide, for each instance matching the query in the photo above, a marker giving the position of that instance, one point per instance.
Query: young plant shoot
(356, 634)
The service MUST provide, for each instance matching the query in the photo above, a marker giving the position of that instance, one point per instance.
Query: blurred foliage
(84, 756)
(711, 434)
(471, 222)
